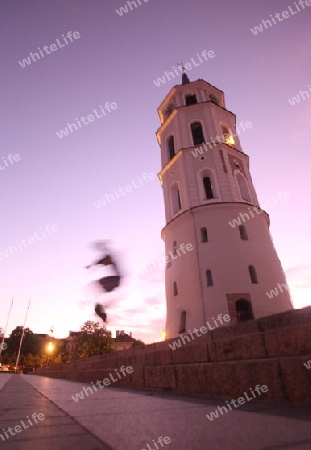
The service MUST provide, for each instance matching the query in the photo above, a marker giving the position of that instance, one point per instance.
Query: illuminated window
(227, 135)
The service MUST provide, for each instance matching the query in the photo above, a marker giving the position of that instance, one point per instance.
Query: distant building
(122, 341)
(71, 342)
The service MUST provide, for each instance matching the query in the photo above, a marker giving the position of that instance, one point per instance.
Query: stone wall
(224, 363)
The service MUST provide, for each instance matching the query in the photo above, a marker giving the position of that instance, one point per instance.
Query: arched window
(244, 310)
(243, 233)
(207, 183)
(171, 147)
(253, 274)
(191, 99)
(175, 289)
(227, 135)
(243, 188)
(197, 133)
(209, 279)
(176, 203)
(174, 248)
(204, 237)
(182, 326)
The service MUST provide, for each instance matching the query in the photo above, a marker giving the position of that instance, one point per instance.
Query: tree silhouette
(93, 340)
(31, 343)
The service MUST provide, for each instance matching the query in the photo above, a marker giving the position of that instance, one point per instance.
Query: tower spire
(184, 76)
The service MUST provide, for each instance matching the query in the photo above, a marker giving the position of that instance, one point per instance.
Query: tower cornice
(179, 108)
(188, 211)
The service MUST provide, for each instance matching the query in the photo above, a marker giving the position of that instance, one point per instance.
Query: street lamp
(50, 348)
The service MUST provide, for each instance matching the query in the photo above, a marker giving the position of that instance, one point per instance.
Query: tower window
(174, 248)
(204, 237)
(209, 278)
(253, 274)
(191, 99)
(197, 133)
(182, 326)
(227, 135)
(243, 233)
(208, 187)
(171, 147)
(175, 289)
(244, 310)
(243, 188)
(176, 203)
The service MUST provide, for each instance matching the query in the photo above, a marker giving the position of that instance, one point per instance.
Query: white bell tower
(231, 266)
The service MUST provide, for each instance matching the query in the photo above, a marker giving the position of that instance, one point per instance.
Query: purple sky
(58, 180)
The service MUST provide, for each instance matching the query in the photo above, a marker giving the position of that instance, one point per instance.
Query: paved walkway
(120, 419)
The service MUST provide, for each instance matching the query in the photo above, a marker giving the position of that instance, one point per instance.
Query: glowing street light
(50, 347)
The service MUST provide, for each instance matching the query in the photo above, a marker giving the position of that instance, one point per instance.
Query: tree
(31, 342)
(93, 340)
(138, 342)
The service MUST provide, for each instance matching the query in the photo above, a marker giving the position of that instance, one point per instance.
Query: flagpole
(22, 337)
(6, 325)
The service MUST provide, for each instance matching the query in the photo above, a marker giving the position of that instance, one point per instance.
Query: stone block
(231, 379)
(249, 346)
(286, 319)
(191, 354)
(297, 379)
(226, 332)
(160, 377)
(290, 341)
(190, 379)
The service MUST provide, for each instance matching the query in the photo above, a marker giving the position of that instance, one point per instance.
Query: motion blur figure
(108, 283)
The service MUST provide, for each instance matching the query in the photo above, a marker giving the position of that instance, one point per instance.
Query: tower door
(244, 310)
